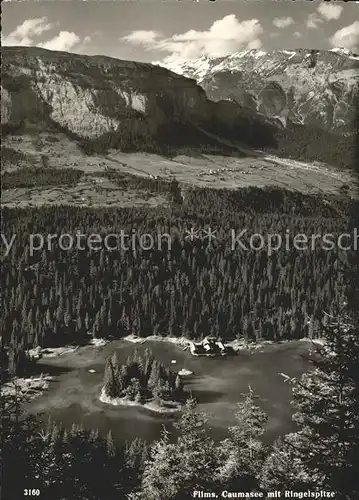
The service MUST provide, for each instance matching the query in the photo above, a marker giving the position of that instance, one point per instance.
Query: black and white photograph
(179, 249)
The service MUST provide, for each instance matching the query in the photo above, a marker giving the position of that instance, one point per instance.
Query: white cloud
(224, 37)
(65, 41)
(297, 34)
(325, 11)
(25, 32)
(313, 21)
(142, 37)
(347, 37)
(28, 33)
(330, 11)
(87, 39)
(283, 22)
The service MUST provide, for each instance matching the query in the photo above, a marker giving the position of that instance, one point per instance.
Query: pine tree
(326, 448)
(148, 357)
(135, 456)
(281, 470)
(51, 467)
(110, 446)
(139, 398)
(178, 384)
(123, 379)
(17, 452)
(133, 388)
(154, 376)
(160, 479)
(111, 381)
(175, 470)
(243, 453)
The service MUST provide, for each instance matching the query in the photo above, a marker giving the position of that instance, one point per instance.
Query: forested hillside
(194, 288)
(308, 143)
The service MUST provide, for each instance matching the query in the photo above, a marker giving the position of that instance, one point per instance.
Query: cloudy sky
(170, 30)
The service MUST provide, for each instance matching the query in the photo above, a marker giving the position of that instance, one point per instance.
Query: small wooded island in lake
(142, 381)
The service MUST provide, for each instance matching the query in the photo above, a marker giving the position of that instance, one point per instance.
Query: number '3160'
(31, 493)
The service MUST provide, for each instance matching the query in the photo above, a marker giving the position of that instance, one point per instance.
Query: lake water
(216, 383)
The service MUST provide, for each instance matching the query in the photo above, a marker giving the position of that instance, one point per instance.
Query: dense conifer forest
(178, 287)
(322, 455)
(43, 176)
(193, 289)
(309, 144)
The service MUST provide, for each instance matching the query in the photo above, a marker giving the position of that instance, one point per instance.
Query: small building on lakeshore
(210, 346)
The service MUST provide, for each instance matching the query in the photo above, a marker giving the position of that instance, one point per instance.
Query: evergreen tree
(325, 450)
(175, 470)
(110, 384)
(136, 454)
(148, 366)
(19, 452)
(110, 446)
(282, 470)
(243, 453)
(178, 384)
(154, 376)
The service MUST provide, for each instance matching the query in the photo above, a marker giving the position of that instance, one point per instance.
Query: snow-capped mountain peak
(345, 52)
(303, 85)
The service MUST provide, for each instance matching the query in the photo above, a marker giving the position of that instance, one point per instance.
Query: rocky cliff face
(310, 87)
(91, 96)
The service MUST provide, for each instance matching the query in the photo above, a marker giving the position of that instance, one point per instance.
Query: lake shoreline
(216, 383)
(34, 386)
(151, 406)
(236, 345)
(28, 388)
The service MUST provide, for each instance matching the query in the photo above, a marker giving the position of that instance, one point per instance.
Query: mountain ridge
(103, 103)
(311, 87)
(109, 103)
